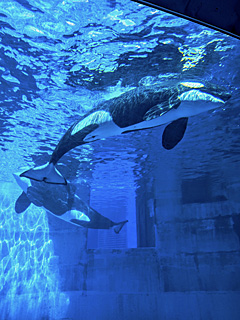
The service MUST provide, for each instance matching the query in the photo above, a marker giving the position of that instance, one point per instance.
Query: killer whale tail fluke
(47, 173)
(22, 203)
(118, 227)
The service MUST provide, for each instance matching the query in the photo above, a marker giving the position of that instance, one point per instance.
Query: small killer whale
(141, 108)
(62, 202)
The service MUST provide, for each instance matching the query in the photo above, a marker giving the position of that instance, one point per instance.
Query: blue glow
(58, 60)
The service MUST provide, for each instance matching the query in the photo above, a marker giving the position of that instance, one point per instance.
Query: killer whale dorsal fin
(160, 109)
(22, 203)
(173, 133)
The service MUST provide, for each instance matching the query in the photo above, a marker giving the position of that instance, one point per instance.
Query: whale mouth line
(90, 139)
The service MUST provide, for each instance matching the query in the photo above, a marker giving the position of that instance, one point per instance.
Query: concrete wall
(145, 284)
(192, 273)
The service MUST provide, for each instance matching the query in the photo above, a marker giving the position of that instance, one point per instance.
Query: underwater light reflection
(28, 267)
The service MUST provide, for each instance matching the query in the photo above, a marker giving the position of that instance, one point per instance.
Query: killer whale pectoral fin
(22, 203)
(173, 133)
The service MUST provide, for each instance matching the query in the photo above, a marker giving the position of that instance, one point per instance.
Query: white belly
(186, 109)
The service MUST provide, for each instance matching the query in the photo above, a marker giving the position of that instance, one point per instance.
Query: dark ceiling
(222, 15)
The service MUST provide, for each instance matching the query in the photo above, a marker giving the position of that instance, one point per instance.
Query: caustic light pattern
(28, 267)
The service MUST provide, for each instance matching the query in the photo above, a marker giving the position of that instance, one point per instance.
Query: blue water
(59, 59)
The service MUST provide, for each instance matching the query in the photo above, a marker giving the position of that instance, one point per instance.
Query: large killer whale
(141, 108)
(63, 203)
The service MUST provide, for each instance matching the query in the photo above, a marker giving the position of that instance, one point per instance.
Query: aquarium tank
(137, 212)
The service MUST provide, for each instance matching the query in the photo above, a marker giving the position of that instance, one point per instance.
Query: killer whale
(137, 109)
(62, 202)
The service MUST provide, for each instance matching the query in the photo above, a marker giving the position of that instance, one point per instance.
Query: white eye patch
(196, 95)
(97, 117)
(79, 215)
(75, 214)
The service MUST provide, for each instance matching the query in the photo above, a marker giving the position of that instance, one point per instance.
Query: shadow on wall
(201, 190)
